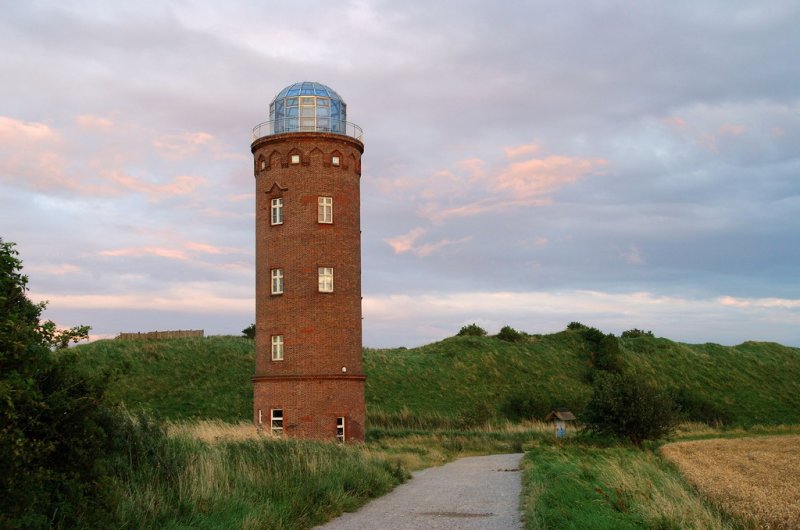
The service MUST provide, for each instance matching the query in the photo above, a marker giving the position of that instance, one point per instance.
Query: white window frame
(277, 347)
(336, 161)
(263, 164)
(325, 279)
(276, 211)
(276, 421)
(295, 159)
(276, 286)
(325, 210)
(340, 429)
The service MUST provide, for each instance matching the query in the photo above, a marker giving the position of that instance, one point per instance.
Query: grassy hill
(472, 377)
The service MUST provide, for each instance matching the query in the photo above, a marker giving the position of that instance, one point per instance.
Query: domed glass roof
(308, 106)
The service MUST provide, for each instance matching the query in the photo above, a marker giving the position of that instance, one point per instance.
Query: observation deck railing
(297, 124)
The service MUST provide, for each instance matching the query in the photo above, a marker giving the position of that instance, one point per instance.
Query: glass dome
(308, 106)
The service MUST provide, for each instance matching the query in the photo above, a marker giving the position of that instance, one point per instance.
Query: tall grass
(181, 482)
(573, 486)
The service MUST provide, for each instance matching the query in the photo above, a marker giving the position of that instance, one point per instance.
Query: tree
(509, 334)
(472, 330)
(53, 425)
(250, 331)
(626, 406)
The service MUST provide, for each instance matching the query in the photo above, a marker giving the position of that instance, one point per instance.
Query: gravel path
(470, 493)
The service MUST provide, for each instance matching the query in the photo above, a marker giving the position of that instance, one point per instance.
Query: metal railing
(297, 124)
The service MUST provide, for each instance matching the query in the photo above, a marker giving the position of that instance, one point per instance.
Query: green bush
(628, 407)
(249, 332)
(604, 350)
(476, 415)
(693, 407)
(636, 333)
(509, 334)
(576, 326)
(55, 432)
(526, 406)
(472, 330)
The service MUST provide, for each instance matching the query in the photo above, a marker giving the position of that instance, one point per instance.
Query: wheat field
(757, 479)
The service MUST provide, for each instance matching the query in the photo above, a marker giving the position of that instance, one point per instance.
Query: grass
(581, 486)
(209, 378)
(241, 480)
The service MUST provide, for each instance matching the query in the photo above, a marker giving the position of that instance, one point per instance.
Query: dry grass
(212, 431)
(753, 478)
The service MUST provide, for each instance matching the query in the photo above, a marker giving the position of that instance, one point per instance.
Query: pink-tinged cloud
(180, 185)
(16, 132)
(62, 269)
(675, 121)
(138, 252)
(405, 242)
(178, 146)
(730, 129)
(520, 150)
(473, 166)
(759, 303)
(535, 178)
(393, 186)
(94, 123)
(430, 248)
(520, 183)
(204, 248)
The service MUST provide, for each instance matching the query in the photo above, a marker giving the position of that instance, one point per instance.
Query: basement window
(276, 209)
(277, 347)
(276, 421)
(325, 279)
(340, 429)
(277, 281)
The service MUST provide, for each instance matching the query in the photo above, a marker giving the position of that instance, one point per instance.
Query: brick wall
(321, 375)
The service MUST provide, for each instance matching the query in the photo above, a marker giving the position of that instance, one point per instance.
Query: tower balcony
(307, 124)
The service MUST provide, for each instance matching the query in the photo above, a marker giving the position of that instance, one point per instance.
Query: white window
(277, 347)
(295, 159)
(277, 281)
(340, 429)
(259, 417)
(276, 421)
(335, 161)
(263, 164)
(325, 210)
(277, 211)
(325, 279)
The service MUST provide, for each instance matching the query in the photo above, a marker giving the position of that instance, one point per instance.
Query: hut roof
(560, 414)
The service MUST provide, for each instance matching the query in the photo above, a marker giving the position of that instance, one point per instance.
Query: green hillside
(210, 378)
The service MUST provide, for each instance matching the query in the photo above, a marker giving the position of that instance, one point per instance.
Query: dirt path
(470, 493)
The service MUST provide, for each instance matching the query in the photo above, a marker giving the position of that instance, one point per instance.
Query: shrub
(525, 406)
(576, 326)
(693, 407)
(472, 330)
(636, 333)
(250, 331)
(628, 407)
(509, 334)
(475, 416)
(604, 349)
(55, 431)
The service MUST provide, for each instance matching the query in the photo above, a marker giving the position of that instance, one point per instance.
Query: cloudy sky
(622, 164)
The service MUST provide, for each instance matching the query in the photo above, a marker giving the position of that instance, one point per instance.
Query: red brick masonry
(320, 377)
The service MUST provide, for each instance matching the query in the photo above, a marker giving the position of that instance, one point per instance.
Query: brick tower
(308, 381)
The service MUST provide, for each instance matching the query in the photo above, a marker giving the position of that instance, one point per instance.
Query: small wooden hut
(560, 417)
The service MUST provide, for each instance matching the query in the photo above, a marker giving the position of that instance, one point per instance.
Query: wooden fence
(179, 334)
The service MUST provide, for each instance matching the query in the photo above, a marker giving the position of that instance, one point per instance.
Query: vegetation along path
(471, 493)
